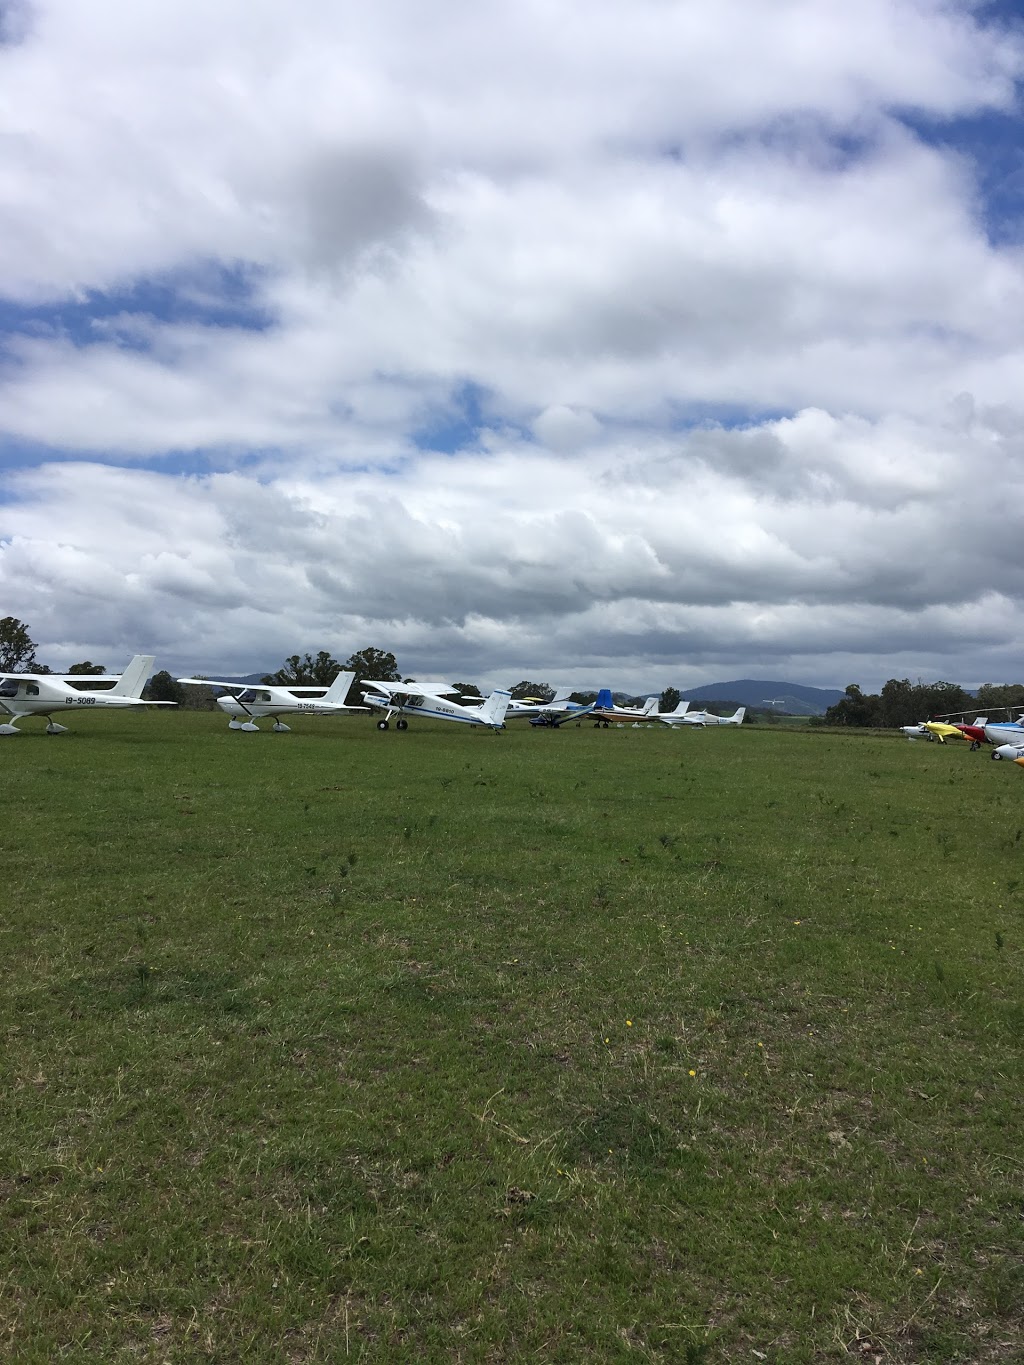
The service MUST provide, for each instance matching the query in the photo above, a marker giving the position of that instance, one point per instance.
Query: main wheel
(401, 725)
(382, 725)
(995, 755)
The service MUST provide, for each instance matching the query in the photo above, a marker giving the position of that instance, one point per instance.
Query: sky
(618, 344)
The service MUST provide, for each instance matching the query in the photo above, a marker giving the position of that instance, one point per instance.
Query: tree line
(902, 702)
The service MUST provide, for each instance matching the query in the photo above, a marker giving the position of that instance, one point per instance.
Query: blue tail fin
(604, 699)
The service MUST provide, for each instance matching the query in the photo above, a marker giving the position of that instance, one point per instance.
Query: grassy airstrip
(603, 1045)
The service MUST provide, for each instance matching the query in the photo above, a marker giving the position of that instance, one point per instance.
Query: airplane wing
(213, 682)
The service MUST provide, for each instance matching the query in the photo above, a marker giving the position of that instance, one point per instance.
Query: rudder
(133, 679)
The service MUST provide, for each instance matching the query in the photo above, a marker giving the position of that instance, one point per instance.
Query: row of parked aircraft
(49, 694)
(1006, 737)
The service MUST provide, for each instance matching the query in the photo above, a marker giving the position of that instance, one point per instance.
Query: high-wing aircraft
(1007, 739)
(606, 712)
(434, 700)
(527, 707)
(246, 704)
(50, 694)
(552, 715)
(703, 717)
(524, 708)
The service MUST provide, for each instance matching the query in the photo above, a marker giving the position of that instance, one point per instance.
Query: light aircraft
(434, 700)
(606, 712)
(1013, 750)
(919, 731)
(1007, 739)
(246, 704)
(554, 714)
(49, 694)
(932, 730)
(704, 718)
(526, 708)
(676, 717)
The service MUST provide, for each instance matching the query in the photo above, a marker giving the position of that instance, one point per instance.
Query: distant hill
(790, 699)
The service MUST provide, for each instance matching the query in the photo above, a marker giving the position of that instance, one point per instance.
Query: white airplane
(524, 707)
(246, 703)
(703, 717)
(673, 717)
(434, 700)
(1007, 739)
(49, 694)
(607, 713)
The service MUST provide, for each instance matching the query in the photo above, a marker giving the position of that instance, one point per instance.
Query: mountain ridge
(787, 698)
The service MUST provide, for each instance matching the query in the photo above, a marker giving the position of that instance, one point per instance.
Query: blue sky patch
(456, 425)
(211, 295)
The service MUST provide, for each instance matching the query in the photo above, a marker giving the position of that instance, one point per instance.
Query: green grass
(629, 1045)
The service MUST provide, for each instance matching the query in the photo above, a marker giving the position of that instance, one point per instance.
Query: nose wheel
(382, 725)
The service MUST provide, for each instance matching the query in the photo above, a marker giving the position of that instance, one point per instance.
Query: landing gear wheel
(604, 725)
(995, 755)
(401, 725)
(975, 745)
(382, 725)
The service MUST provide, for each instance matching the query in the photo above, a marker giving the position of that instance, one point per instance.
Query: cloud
(654, 346)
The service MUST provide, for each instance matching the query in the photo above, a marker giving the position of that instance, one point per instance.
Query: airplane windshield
(8, 688)
(247, 696)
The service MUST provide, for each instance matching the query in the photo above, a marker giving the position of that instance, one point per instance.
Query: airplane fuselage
(426, 706)
(231, 706)
(43, 699)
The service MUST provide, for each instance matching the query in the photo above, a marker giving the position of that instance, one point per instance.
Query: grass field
(606, 1045)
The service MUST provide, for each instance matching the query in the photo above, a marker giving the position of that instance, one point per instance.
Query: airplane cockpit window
(8, 688)
(31, 690)
(247, 696)
(263, 696)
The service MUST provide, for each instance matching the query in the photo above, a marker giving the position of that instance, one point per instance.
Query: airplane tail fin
(133, 679)
(680, 710)
(561, 694)
(650, 706)
(338, 690)
(604, 699)
(492, 712)
(737, 719)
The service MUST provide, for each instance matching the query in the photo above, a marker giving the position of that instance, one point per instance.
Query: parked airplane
(554, 714)
(47, 694)
(519, 707)
(433, 699)
(676, 717)
(246, 704)
(919, 731)
(1007, 739)
(705, 718)
(933, 730)
(607, 713)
